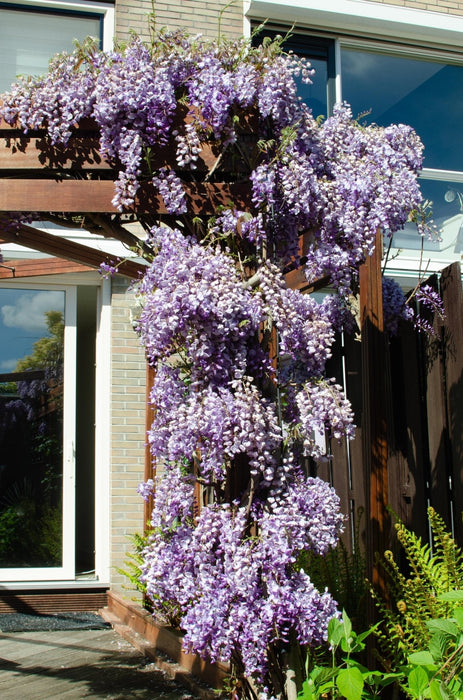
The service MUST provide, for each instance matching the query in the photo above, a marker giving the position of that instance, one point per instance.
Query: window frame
(104, 10)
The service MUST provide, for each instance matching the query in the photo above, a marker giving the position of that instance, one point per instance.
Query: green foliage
(342, 676)
(133, 564)
(436, 672)
(420, 632)
(30, 534)
(421, 626)
(343, 573)
(416, 599)
(132, 570)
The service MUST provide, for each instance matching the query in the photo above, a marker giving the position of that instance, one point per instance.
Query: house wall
(128, 400)
(197, 16)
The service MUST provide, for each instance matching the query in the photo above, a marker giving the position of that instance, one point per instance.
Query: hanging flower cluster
(240, 389)
(336, 179)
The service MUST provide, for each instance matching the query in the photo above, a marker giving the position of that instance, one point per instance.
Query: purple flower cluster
(230, 420)
(201, 321)
(240, 594)
(394, 305)
(338, 180)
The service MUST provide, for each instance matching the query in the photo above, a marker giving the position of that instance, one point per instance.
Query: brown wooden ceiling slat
(39, 267)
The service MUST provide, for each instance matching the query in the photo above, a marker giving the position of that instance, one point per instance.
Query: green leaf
(443, 625)
(458, 615)
(451, 596)
(335, 631)
(321, 674)
(421, 658)
(438, 645)
(307, 692)
(364, 635)
(350, 683)
(347, 624)
(437, 691)
(418, 682)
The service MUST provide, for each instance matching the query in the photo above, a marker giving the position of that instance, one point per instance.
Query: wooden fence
(424, 419)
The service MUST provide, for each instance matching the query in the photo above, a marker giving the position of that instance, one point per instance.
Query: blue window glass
(319, 95)
(428, 95)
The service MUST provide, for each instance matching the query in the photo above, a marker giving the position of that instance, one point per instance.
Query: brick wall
(196, 16)
(128, 378)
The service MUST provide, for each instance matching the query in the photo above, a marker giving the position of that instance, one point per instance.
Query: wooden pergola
(62, 182)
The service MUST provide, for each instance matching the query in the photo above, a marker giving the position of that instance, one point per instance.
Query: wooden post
(150, 469)
(374, 424)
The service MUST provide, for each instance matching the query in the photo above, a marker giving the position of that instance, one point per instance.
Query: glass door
(37, 432)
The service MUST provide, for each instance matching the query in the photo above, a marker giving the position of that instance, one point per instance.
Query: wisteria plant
(240, 387)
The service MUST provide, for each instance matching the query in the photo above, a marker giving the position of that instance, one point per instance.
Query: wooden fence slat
(408, 458)
(437, 419)
(452, 296)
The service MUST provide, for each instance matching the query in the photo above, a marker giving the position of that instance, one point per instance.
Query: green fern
(403, 629)
(133, 564)
(343, 572)
(132, 570)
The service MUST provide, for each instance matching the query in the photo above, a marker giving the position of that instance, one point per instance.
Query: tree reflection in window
(31, 436)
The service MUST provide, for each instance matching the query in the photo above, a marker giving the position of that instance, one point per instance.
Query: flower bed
(164, 639)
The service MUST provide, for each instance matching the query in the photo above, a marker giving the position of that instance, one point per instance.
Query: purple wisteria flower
(240, 388)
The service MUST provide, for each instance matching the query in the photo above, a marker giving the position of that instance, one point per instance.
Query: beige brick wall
(128, 398)
(196, 16)
(444, 6)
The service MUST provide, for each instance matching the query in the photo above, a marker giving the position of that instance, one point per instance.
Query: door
(37, 432)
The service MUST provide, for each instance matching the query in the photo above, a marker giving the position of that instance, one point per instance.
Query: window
(30, 35)
(37, 432)
(394, 84)
(320, 95)
(427, 94)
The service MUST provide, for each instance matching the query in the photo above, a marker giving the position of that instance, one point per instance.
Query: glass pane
(29, 39)
(428, 95)
(446, 200)
(315, 95)
(31, 427)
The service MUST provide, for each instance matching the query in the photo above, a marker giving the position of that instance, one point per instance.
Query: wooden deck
(79, 664)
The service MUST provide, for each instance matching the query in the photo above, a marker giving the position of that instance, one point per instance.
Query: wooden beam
(25, 376)
(30, 153)
(36, 267)
(36, 239)
(95, 196)
(374, 417)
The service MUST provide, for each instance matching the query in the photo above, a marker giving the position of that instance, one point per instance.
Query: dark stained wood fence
(424, 414)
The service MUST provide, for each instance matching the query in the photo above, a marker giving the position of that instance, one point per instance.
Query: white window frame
(403, 266)
(67, 569)
(362, 18)
(105, 11)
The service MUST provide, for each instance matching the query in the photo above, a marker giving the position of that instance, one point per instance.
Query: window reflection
(31, 427)
(446, 203)
(29, 39)
(428, 95)
(315, 94)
